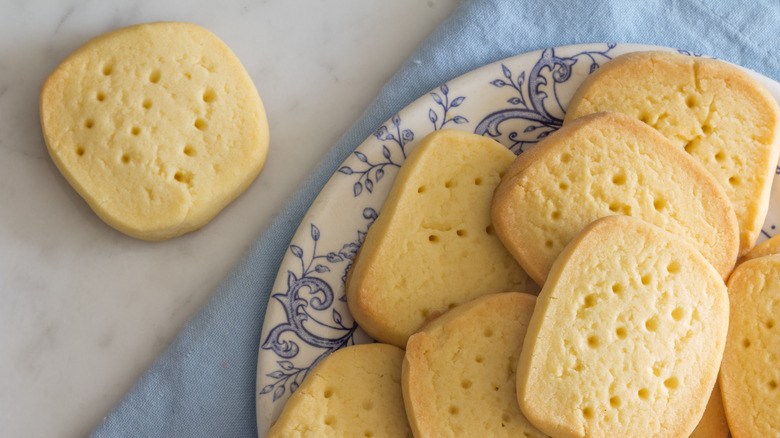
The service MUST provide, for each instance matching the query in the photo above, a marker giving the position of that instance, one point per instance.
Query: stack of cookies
(586, 288)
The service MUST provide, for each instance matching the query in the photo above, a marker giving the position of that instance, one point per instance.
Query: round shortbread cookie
(749, 374)
(355, 391)
(626, 337)
(433, 245)
(606, 164)
(719, 114)
(157, 126)
(459, 370)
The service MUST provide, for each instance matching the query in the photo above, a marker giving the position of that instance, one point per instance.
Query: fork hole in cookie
(100, 96)
(590, 301)
(690, 101)
(673, 267)
(154, 76)
(189, 151)
(80, 151)
(448, 184)
(107, 69)
(615, 402)
(563, 186)
(619, 179)
(146, 103)
(772, 385)
(125, 158)
(433, 238)
(454, 410)
(651, 324)
(593, 341)
(770, 324)
(565, 158)
(89, 123)
(746, 343)
(689, 147)
(587, 412)
(368, 405)
(644, 394)
(720, 157)
(706, 128)
(461, 233)
(478, 181)
(555, 215)
(328, 393)
(135, 130)
(209, 95)
(617, 288)
(548, 243)
(646, 279)
(678, 313)
(621, 332)
(368, 433)
(659, 204)
(478, 358)
(734, 180)
(489, 230)
(201, 124)
(672, 383)
(488, 332)
(465, 384)
(330, 420)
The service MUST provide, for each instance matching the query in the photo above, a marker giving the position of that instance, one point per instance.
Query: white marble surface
(84, 309)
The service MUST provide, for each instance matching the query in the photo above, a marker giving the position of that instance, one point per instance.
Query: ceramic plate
(517, 101)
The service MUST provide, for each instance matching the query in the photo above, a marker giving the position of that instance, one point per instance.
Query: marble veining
(84, 309)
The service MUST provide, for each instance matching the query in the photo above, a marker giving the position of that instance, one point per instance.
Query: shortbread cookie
(768, 247)
(157, 126)
(750, 375)
(721, 116)
(458, 375)
(433, 246)
(626, 337)
(609, 164)
(356, 391)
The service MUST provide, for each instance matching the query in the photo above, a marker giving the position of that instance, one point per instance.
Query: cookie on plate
(713, 110)
(458, 374)
(609, 164)
(749, 375)
(433, 245)
(157, 126)
(768, 247)
(626, 337)
(355, 391)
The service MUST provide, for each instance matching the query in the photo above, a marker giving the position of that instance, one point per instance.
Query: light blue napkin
(204, 384)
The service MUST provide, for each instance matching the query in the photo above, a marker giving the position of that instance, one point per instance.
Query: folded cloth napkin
(204, 384)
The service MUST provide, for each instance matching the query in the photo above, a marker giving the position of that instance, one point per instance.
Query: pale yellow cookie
(609, 164)
(626, 337)
(433, 245)
(157, 126)
(458, 375)
(750, 375)
(719, 114)
(355, 391)
(768, 247)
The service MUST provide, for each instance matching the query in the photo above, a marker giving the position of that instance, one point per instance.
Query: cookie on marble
(609, 164)
(433, 245)
(355, 391)
(713, 110)
(626, 337)
(157, 126)
(458, 374)
(749, 374)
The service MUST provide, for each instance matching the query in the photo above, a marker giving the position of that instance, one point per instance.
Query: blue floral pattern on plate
(517, 101)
